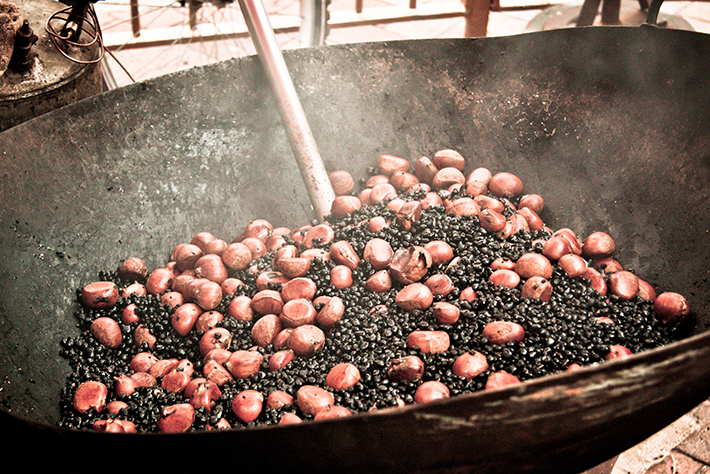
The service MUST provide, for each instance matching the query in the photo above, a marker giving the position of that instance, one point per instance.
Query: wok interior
(610, 125)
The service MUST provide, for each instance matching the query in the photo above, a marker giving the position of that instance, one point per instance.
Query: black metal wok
(611, 125)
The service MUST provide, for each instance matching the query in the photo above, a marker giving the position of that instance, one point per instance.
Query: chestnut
(306, 340)
(440, 251)
(506, 278)
(502, 262)
(446, 177)
(212, 267)
(342, 182)
(403, 180)
(186, 256)
(533, 264)
(534, 202)
(297, 312)
(617, 352)
(185, 317)
(500, 379)
(297, 288)
(573, 265)
(175, 382)
(571, 237)
(280, 359)
(431, 199)
(425, 169)
(440, 285)
(332, 411)
(321, 234)
(294, 267)
(163, 367)
(236, 256)
(345, 205)
(341, 276)
(88, 395)
(492, 220)
(215, 247)
(216, 373)
(142, 336)
(596, 280)
(430, 391)
(311, 399)
(342, 376)
(537, 287)
(244, 363)
(215, 338)
(382, 192)
(171, 298)
(208, 320)
(487, 202)
(176, 418)
(256, 246)
(414, 296)
(449, 159)
(429, 342)
(377, 223)
(623, 284)
(265, 329)
(556, 247)
(500, 332)
(598, 245)
(330, 312)
(142, 361)
(532, 218)
(470, 364)
(133, 269)
(671, 308)
(267, 302)
(446, 313)
(388, 164)
(646, 291)
(408, 368)
(468, 294)
(379, 282)
(278, 399)
(259, 229)
(409, 265)
(505, 185)
(481, 175)
(290, 418)
(476, 188)
(247, 405)
(343, 253)
(107, 332)
(409, 213)
(240, 308)
(100, 295)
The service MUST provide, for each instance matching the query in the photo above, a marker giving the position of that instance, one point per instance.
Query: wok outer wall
(609, 124)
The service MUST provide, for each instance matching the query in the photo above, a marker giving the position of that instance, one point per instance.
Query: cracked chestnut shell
(410, 265)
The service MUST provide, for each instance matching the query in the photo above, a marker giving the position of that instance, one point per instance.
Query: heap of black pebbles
(558, 332)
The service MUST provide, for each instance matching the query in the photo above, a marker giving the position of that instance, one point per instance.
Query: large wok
(611, 125)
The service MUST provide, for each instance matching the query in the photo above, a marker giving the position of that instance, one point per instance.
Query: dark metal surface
(47, 80)
(611, 125)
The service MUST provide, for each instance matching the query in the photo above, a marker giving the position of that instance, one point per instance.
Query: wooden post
(135, 18)
(477, 12)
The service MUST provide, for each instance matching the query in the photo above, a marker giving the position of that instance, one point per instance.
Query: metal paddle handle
(313, 171)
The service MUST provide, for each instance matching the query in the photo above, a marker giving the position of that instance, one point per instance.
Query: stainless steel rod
(304, 147)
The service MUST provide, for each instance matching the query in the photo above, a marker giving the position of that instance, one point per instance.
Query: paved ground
(379, 20)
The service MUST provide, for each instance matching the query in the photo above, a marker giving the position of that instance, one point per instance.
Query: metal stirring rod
(304, 147)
